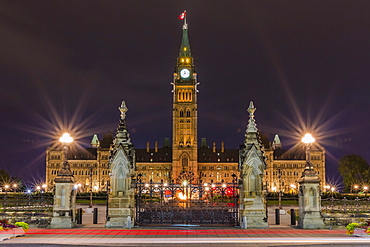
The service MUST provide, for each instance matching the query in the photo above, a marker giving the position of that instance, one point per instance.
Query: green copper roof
(95, 141)
(185, 45)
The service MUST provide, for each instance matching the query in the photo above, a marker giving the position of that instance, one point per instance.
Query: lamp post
(44, 187)
(15, 187)
(280, 192)
(65, 140)
(90, 190)
(308, 140)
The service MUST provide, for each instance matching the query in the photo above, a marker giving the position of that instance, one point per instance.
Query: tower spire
(185, 44)
(122, 135)
(251, 133)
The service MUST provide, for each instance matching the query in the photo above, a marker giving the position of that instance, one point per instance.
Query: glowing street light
(66, 138)
(308, 140)
(293, 188)
(365, 189)
(44, 187)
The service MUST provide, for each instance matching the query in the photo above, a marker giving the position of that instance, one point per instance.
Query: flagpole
(185, 24)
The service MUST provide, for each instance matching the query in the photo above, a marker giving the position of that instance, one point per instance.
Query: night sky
(67, 65)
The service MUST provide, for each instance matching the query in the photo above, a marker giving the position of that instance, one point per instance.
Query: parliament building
(165, 162)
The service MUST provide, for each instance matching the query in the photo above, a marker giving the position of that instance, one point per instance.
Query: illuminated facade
(184, 153)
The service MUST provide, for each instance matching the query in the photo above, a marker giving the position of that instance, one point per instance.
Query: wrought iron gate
(184, 203)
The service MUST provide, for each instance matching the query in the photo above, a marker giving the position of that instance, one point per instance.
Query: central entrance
(187, 203)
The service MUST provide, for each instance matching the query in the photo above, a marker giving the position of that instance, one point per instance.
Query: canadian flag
(182, 16)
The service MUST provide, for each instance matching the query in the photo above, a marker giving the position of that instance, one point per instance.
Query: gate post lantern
(309, 192)
(64, 196)
(252, 167)
(121, 200)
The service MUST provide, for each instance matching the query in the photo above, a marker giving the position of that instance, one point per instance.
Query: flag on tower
(182, 16)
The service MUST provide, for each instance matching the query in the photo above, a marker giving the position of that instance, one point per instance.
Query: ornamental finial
(251, 109)
(123, 109)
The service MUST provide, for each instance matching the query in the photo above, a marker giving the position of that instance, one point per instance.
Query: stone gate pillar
(121, 200)
(310, 199)
(252, 166)
(64, 199)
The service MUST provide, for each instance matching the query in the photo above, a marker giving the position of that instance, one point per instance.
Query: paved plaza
(184, 236)
(89, 234)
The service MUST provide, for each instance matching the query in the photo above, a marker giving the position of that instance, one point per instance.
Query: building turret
(276, 144)
(95, 141)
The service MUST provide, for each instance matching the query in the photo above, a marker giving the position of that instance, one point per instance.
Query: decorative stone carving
(252, 165)
(121, 202)
(64, 199)
(310, 199)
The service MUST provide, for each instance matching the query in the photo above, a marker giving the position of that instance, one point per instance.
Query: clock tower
(185, 130)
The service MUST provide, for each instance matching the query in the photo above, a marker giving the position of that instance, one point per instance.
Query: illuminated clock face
(184, 73)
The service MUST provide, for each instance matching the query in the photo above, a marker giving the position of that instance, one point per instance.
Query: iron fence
(201, 204)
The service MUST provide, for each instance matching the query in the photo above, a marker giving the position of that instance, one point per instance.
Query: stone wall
(340, 220)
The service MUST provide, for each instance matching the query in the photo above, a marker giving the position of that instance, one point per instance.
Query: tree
(354, 170)
(4, 176)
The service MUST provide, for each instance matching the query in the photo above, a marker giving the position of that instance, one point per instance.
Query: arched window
(185, 163)
(187, 112)
(181, 113)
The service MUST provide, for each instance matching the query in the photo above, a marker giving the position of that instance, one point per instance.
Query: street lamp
(280, 192)
(91, 181)
(44, 187)
(355, 188)
(293, 187)
(6, 188)
(365, 189)
(332, 192)
(65, 140)
(15, 187)
(308, 140)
